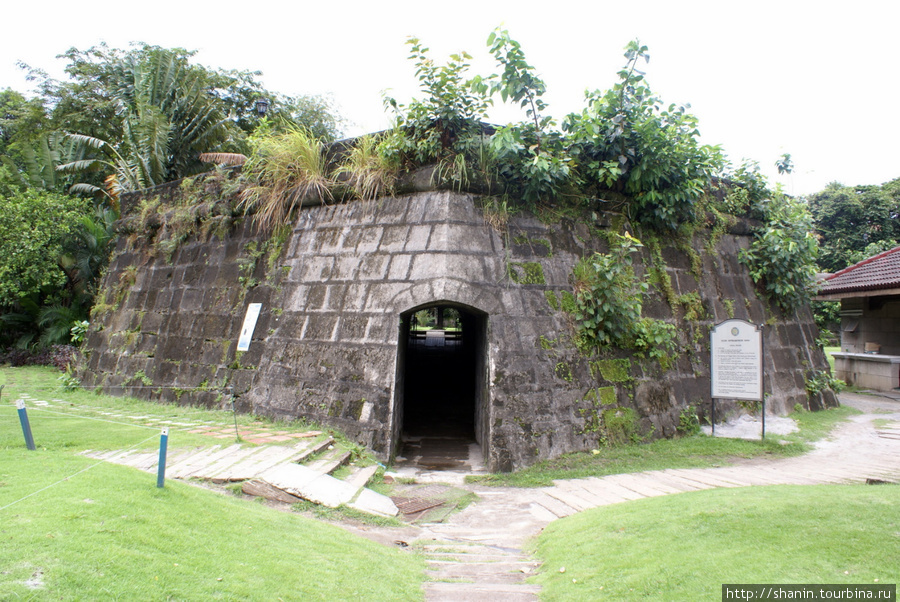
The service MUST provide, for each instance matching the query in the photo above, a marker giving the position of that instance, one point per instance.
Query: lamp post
(262, 107)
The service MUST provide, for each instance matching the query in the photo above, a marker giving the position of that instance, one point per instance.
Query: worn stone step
(462, 547)
(475, 557)
(789, 475)
(326, 490)
(438, 591)
(476, 573)
(541, 513)
(223, 463)
(232, 467)
(499, 565)
(255, 464)
(574, 496)
(750, 476)
(330, 461)
(262, 489)
(311, 448)
(310, 485)
(685, 485)
(713, 476)
(608, 491)
(700, 476)
(374, 503)
(360, 477)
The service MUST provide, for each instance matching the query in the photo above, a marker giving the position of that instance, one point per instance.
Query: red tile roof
(879, 272)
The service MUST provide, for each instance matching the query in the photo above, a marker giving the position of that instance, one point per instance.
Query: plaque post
(736, 365)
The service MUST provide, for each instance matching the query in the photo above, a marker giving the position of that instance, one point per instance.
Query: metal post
(764, 416)
(237, 434)
(161, 469)
(26, 426)
(714, 417)
(762, 380)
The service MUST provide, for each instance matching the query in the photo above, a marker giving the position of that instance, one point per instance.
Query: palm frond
(83, 165)
(88, 141)
(14, 171)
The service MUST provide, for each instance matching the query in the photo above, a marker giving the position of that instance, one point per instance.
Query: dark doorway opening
(441, 385)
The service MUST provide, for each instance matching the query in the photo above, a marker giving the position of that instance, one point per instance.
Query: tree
(144, 115)
(52, 253)
(36, 226)
(855, 222)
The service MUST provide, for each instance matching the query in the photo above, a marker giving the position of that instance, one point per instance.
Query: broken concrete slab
(361, 477)
(263, 489)
(371, 502)
(310, 485)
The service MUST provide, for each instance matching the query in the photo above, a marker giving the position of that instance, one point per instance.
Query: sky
(817, 79)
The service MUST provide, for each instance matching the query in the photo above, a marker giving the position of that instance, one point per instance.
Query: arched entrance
(441, 383)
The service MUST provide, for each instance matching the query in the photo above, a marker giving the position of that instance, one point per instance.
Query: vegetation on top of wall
(626, 152)
(285, 169)
(203, 206)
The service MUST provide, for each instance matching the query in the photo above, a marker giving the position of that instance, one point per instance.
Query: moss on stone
(336, 406)
(568, 302)
(607, 395)
(611, 370)
(526, 272)
(729, 307)
(693, 306)
(545, 343)
(552, 300)
(564, 371)
(620, 425)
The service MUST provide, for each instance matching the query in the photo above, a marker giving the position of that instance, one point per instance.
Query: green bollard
(161, 469)
(26, 426)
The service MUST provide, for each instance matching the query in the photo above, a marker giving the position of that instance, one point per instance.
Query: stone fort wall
(334, 287)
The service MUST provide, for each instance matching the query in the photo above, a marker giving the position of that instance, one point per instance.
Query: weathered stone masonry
(328, 344)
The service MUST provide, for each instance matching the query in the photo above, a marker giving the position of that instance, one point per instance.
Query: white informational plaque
(249, 325)
(736, 362)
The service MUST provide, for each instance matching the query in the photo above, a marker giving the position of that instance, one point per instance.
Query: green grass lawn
(42, 383)
(684, 547)
(828, 351)
(76, 529)
(699, 451)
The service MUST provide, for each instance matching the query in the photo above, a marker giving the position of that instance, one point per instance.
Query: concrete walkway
(478, 553)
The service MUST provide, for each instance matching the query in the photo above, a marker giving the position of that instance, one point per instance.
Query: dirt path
(478, 554)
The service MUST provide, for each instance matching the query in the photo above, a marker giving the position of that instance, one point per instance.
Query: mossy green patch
(564, 371)
(607, 395)
(693, 307)
(546, 344)
(568, 302)
(612, 370)
(729, 307)
(620, 425)
(552, 300)
(527, 272)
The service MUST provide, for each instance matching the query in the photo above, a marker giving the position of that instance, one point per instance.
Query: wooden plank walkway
(216, 463)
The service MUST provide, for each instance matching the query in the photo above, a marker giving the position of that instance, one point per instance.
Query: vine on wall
(608, 304)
